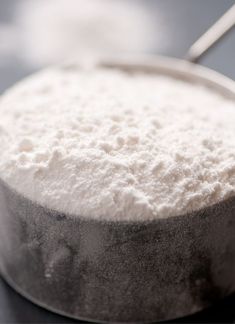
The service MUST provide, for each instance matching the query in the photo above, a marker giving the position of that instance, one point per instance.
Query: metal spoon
(212, 36)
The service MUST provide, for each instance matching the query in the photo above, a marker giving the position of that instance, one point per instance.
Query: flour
(104, 144)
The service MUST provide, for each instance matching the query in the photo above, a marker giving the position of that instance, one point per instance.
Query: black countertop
(181, 22)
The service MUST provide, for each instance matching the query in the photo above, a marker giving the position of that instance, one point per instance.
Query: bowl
(121, 272)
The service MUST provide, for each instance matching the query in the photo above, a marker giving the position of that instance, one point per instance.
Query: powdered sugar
(108, 145)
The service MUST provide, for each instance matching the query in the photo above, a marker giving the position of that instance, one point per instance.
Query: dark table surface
(181, 22)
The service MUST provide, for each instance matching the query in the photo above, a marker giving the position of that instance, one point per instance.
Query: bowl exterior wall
(117, 272)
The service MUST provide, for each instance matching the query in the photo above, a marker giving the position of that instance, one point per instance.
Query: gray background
(186, 20)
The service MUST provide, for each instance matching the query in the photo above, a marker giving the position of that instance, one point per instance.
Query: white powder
(108, 145)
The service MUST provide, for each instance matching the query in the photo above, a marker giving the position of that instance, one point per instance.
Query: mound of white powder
(107, 145)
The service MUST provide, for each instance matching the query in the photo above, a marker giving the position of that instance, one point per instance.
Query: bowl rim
(209, 211)
(173, 67)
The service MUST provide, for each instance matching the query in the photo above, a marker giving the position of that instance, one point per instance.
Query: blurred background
(37, 33)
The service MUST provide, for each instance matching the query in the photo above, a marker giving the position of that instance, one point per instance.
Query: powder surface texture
(108, 145)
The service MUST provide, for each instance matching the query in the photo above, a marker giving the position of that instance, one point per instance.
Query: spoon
(210, 38)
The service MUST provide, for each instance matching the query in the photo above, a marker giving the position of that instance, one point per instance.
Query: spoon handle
(212, 36)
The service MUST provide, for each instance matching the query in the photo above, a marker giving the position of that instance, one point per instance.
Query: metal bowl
(121, 272)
